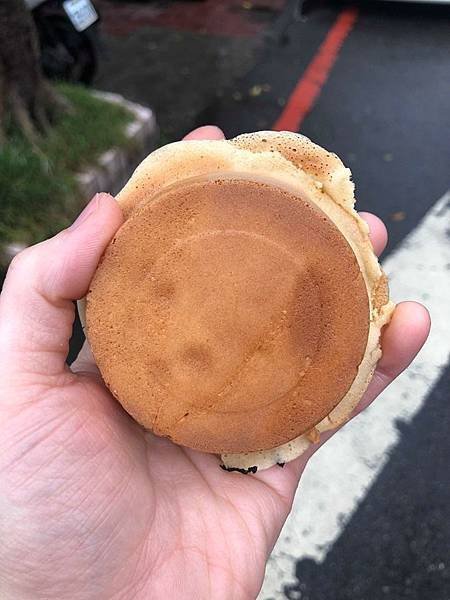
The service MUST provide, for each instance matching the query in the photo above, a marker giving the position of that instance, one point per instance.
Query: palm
(144, 513)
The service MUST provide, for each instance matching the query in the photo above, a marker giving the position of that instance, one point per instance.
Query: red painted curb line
(310, 85)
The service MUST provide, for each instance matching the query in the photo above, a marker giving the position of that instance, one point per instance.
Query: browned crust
(246, 315)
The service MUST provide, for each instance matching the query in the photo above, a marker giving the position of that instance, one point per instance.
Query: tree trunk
(25, 96)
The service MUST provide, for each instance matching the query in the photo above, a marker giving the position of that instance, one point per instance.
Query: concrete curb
(113, 167)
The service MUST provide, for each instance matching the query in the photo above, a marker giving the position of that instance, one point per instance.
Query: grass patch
(38, 194)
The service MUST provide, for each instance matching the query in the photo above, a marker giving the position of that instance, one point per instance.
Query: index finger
(207, 132)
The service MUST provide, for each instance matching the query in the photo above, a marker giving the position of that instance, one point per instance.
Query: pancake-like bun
(238, 310)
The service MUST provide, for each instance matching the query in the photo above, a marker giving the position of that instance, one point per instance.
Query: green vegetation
(38, 194)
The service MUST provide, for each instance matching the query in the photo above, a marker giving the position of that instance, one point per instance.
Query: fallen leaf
(400, 215)
(255, 90)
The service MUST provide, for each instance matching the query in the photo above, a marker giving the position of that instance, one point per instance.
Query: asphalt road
(397, 543)
(384, 109)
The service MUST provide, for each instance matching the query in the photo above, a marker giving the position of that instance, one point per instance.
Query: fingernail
(88, 210)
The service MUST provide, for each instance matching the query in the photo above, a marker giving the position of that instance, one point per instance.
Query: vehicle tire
(69, 55)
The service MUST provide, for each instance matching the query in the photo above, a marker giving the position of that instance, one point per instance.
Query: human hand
(93, 507)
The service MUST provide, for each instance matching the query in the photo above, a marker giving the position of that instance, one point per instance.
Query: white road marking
(341, 473)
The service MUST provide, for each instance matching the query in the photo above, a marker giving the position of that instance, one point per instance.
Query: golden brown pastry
(238, 309)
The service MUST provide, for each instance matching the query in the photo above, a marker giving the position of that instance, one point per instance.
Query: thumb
(36, 308)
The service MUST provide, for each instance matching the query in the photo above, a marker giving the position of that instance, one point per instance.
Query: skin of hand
(91, 506)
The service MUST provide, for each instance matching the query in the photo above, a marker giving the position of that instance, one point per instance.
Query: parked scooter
(67, 32)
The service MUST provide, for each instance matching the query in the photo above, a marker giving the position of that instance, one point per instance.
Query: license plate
(81, 12)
